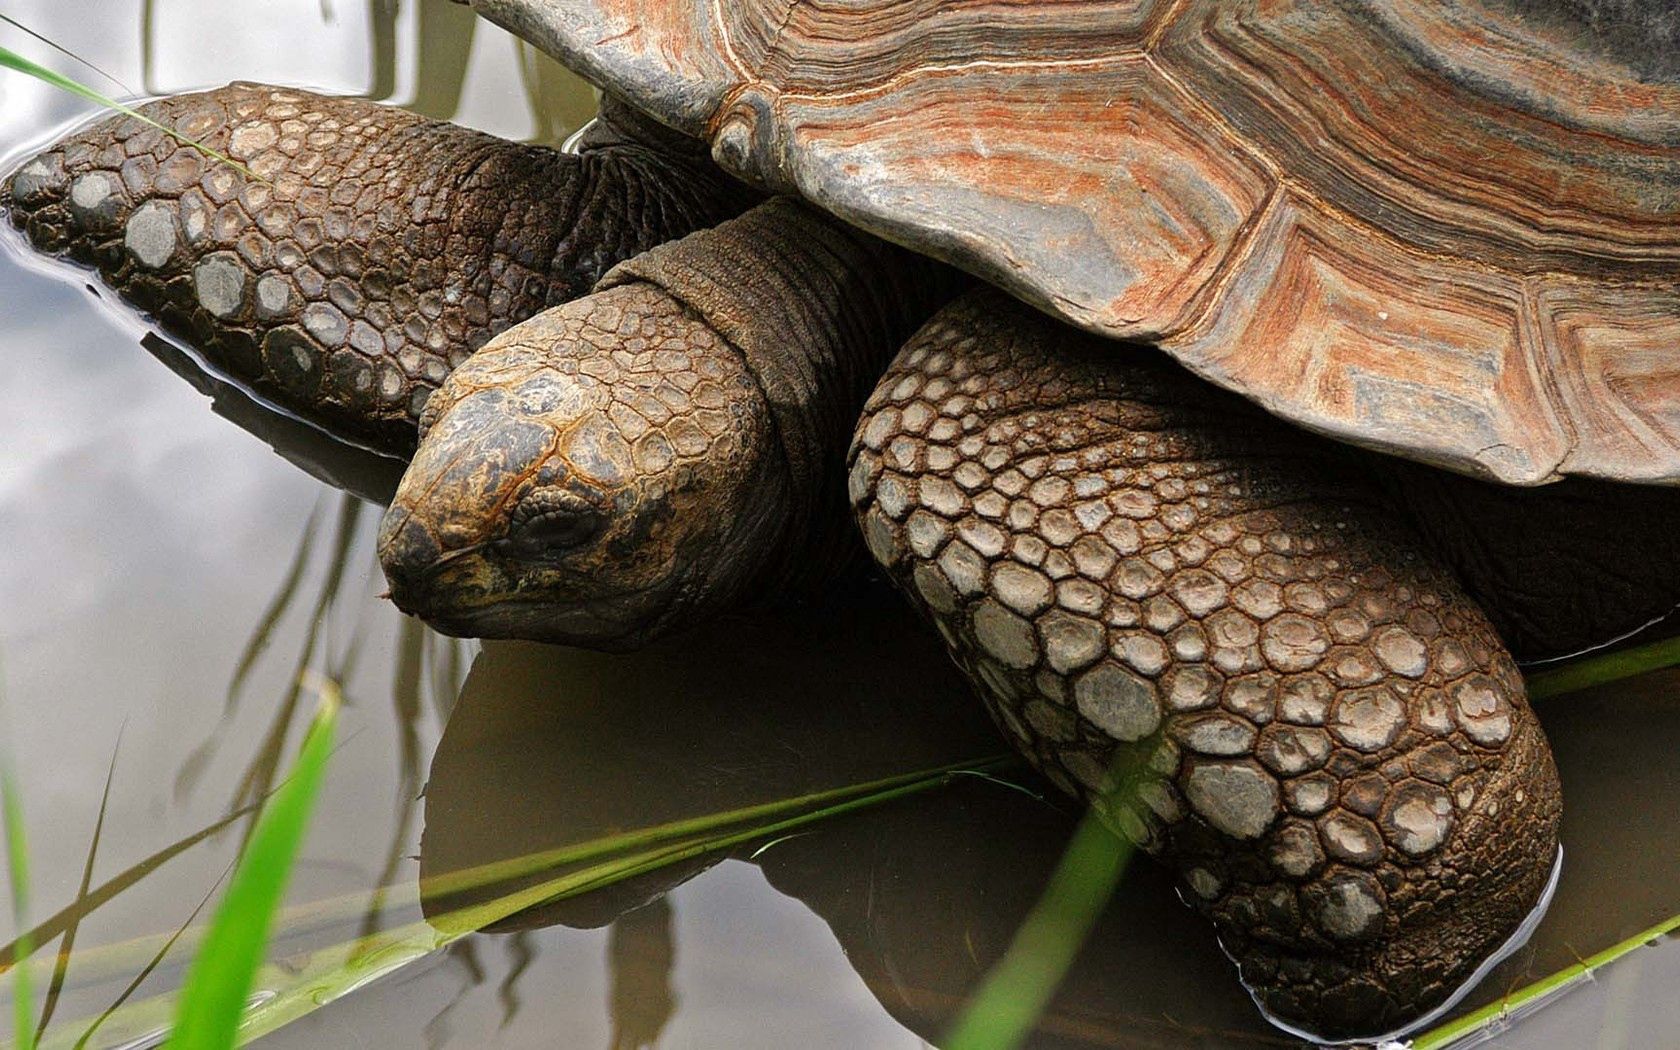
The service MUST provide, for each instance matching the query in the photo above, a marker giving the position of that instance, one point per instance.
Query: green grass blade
(302, 984)
(10, 59)
(1589, 671)
(343, 969)
(1533, 996)
(1002, 1013)
(212, 1002)
(311, 919)
(711, 824)
(152, 963)
(17, 873)
(67, 947)
(56, 924)
(66, 52)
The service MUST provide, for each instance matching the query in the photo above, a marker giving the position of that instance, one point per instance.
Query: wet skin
(373, 252)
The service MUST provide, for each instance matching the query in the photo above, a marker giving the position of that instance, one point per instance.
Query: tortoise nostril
(552, 523)
(406, 553)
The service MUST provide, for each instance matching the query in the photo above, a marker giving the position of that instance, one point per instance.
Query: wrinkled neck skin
(814, 309)
(671, 445)
(1560, 569)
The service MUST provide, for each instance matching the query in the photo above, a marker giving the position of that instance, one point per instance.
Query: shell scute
(1501, 180)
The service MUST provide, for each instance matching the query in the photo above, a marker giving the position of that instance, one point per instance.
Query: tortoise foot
(1213, 628)
(1287, 1007)
(353, 253)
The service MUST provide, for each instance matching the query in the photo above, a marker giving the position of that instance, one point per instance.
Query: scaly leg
(1145, 574)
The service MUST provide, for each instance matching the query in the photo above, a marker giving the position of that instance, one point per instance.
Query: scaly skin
(669, 445)
(1144, 574)
(382, 249)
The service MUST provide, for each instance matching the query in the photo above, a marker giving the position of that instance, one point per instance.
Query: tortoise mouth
(599, 625)
(487, 590)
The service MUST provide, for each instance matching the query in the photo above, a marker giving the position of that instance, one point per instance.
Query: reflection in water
(549, 747)
(640, 951)
(1615, 753)
(362, 472)
(743, 711)
(559, 99)
(382, 48)
(258, 779)
(461, 955)
(443, 41)
(522, 952)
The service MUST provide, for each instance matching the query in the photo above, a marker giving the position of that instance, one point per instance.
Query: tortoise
(1227, 508)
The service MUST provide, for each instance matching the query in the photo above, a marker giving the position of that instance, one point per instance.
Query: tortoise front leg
(1139, 572)
(374, 250)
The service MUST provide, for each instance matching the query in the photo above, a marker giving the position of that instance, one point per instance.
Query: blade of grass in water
(152, 963)
(67, 947)
(212, 1002)
(1589, 671)
(102, 894)
(1008, 1003)
(66, 52)
(10, 59)
(17, 873)
(352, 966)
(314, 917)
(1531, 997)
(300, 985)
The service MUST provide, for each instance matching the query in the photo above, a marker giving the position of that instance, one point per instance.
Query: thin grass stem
(10, 59)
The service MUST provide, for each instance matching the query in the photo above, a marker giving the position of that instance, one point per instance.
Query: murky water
(164, 574)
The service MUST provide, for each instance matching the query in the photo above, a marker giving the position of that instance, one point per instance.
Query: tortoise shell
(1446, 231)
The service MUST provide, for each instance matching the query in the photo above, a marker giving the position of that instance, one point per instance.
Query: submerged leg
(671, 444)
(374, 251)
(1140, 572)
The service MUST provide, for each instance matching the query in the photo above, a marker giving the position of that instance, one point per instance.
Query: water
(165, 574)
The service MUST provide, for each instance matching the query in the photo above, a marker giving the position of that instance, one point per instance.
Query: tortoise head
(592, 476)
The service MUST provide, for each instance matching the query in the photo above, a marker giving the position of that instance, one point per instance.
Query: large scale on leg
(353, 253)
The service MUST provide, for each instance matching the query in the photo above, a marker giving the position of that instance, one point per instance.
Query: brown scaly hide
(1310, 721)
(670, 445)
(376, 250)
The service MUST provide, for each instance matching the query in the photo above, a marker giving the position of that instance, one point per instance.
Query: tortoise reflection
(548, 747)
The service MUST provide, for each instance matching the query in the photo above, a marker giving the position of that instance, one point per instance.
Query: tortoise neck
(816, 309)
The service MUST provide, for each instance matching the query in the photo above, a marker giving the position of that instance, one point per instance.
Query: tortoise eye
(554, 533)
(551, 523)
